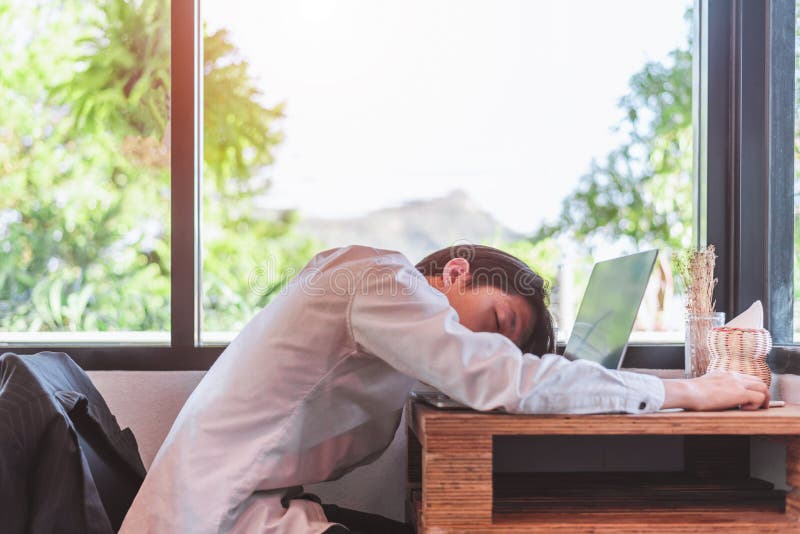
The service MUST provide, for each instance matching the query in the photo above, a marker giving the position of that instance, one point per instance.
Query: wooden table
(452, 487)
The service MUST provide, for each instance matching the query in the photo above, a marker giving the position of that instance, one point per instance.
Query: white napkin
(752, 317)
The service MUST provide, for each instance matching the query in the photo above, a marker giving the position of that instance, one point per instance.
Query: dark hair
(492, 267)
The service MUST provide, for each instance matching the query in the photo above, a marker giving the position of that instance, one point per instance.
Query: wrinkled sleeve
(398, 317)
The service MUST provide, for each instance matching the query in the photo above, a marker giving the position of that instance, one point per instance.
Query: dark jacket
(65, 465)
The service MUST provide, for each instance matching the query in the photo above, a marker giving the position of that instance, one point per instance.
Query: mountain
(415, 228)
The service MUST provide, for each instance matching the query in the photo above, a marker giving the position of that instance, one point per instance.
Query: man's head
(493, 291)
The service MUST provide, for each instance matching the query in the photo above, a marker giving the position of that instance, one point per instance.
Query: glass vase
(696, 352)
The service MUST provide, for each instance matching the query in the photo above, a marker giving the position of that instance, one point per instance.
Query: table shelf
(732, 520)
(533, 493)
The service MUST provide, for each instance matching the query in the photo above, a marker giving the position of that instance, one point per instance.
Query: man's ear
(456, 271)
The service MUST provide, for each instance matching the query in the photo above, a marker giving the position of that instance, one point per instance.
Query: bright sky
(388, 101)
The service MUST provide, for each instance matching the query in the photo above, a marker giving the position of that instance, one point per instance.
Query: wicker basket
(740, 349)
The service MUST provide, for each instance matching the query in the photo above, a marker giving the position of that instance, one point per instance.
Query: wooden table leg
(793, 477)
(456, 481)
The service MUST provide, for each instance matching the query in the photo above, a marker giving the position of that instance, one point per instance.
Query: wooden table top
(774, 421)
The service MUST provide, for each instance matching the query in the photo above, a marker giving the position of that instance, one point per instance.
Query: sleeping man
(315, 384)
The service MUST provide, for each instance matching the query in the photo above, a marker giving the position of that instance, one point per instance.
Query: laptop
(605, 317)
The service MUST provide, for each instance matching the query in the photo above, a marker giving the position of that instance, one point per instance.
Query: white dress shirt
(315, 384)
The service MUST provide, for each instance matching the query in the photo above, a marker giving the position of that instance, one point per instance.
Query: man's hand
(717, 391)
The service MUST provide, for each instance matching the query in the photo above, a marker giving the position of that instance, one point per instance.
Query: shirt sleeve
(398, 317)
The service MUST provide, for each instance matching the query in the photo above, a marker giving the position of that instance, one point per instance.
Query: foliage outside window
(796, 273)
(84, 194)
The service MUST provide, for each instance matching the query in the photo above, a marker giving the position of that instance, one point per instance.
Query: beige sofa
(149, 401)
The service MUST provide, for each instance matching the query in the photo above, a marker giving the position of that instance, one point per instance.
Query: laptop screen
(609, 307)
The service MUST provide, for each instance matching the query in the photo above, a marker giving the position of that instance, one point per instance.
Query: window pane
(84, 193)
(415, 125)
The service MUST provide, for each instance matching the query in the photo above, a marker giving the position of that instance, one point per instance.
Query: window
(418, 125)
(85, 165)
(796, 179)
(111, 236)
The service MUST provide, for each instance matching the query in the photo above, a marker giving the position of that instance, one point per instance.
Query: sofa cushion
(149, 401)
(146, 401)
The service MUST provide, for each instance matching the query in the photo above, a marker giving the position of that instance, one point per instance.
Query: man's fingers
(753, 400)
(760, 387)
(750, 379)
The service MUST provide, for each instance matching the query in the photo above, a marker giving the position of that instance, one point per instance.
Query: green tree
(246, 256)
(84, 194)
(641, 191)
(73, 246)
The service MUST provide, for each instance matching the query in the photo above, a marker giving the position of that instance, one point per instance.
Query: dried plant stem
(700, 305)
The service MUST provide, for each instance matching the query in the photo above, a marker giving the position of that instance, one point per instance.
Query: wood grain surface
(775, 421)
